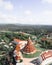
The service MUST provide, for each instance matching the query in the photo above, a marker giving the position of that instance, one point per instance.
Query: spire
(29, 38)
(29, 41)
(29, 48)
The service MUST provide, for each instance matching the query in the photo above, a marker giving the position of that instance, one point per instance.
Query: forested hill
(25, 28)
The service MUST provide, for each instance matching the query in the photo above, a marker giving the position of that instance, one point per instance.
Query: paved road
(31, 61)
(36, 61)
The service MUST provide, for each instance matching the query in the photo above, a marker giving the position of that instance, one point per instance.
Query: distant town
(25, 44)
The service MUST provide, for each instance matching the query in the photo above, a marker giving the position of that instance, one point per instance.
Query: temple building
(29, 48)
(17, 55)
(46, 58)
(22, 43)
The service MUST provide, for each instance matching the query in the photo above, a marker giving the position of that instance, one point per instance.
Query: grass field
(39, 51)
(31, 55)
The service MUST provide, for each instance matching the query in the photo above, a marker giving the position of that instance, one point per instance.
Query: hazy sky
(26, 11)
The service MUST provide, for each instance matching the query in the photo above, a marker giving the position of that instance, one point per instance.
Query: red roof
(44, 39)
(46, 54)
(29, 47)
(17, 47)
(17, 57)
(17, 40)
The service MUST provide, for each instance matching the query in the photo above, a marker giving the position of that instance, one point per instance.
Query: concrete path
(27, 61)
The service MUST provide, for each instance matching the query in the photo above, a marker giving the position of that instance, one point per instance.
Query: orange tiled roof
(44, 39)
(17, 47)
(46, 54)
(29, 47)
(17, 40)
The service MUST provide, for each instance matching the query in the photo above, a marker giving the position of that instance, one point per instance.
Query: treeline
(32, 29)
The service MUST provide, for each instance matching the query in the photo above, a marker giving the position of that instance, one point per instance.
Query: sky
(26, 12)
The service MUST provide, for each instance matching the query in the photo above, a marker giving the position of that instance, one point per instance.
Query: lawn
(31, 55)
(39, 50)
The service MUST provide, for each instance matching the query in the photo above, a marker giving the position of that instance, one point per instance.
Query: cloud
(45, 17)
(1, 3)
(27, 12)
(47, 1)
(7, 18)
(6, 5)
(21, 6)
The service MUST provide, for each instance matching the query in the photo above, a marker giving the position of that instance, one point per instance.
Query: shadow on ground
(35, 61)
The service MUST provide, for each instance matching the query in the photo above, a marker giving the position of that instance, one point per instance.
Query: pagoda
(17, 54)
(29, 48)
